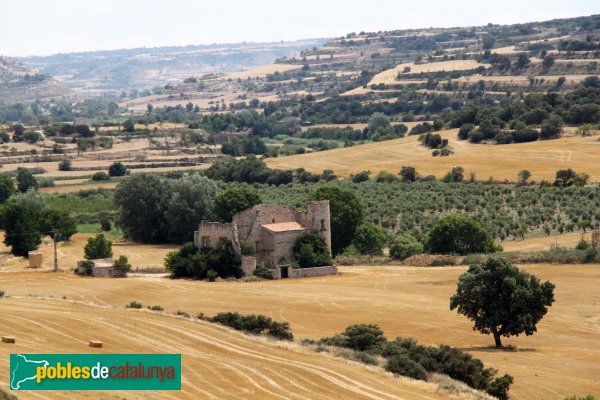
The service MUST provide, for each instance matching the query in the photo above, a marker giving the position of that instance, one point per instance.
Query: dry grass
(542, 158)
(560, 360)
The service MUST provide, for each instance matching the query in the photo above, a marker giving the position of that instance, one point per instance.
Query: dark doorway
(284, 272)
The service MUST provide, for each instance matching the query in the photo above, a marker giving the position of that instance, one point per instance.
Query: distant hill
(22, 83)
(118, 70)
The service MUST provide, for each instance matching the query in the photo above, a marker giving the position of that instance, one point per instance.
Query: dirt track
(561, 360)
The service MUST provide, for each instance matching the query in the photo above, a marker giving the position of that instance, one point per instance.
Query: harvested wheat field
(561, 360)
(141, 256)
(388, 77)
(542, 158)
(566, 240)
(216, 362)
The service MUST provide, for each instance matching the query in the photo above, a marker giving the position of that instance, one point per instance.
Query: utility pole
(56, 239)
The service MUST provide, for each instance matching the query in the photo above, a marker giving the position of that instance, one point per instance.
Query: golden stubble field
(542, 158)
(50, 312)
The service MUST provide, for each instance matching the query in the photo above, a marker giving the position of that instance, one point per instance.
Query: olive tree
(501, 299)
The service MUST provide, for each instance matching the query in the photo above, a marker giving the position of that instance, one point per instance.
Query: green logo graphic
(95, 372)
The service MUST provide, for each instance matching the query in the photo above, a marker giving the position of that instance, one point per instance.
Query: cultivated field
(542, 158)
(561, 360)
(388, 77)
(216, 363)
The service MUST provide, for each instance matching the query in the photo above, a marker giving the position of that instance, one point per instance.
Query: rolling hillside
(542, 158)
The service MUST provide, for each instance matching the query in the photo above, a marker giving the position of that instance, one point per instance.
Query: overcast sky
(36, 27)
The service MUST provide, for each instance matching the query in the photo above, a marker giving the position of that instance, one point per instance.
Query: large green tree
(192, 201)
(346, 214)
(7, 188)
(233, 200)
(501, 299)
(25, 180)
(459, 234)
(21, 219)
(56, 221)
(141, 201)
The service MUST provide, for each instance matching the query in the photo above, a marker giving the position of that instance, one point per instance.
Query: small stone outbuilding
(100, 268)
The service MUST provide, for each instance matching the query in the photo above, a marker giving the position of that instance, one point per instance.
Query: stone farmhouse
(272, 229)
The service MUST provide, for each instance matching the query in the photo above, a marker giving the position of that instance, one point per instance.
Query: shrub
(582, 245)
(254, 324)
(263, 272)
(499, 387)
(100, 176)
(1, 293)
(156, 308)
(117, 169)
(195, 263)
(134, 304)
(122, 265)
(65, 165)
(402, 365)
(182, 314)
(105, 224)
(212, 275)
(310, 250)
(98, 247)
(404, 246)
(247, 248)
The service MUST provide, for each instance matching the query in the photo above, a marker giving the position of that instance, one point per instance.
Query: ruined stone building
(272, 229)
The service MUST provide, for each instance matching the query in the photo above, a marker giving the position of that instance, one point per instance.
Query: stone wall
(209, 234)
(306, 272)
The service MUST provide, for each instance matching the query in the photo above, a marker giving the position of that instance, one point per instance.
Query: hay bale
(8, 339)
(95, 343)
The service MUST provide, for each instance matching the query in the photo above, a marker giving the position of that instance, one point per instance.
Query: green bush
(369, 239)
(1, 293)
(100, 176)
(134, 304)
(254, 324)
(247, 248)
(263, 272)
(117, 169)
(401, 364)
(212, 275)
(191, 262)
(582, 245)
(404, 246)
(156, 308)
(499, 387)
(122, 265)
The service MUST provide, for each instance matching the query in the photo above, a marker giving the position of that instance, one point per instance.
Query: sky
(41, 27)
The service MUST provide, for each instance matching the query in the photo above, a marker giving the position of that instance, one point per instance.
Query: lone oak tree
(501, 299)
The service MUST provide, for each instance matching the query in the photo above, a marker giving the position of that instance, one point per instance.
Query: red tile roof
(284, 227)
